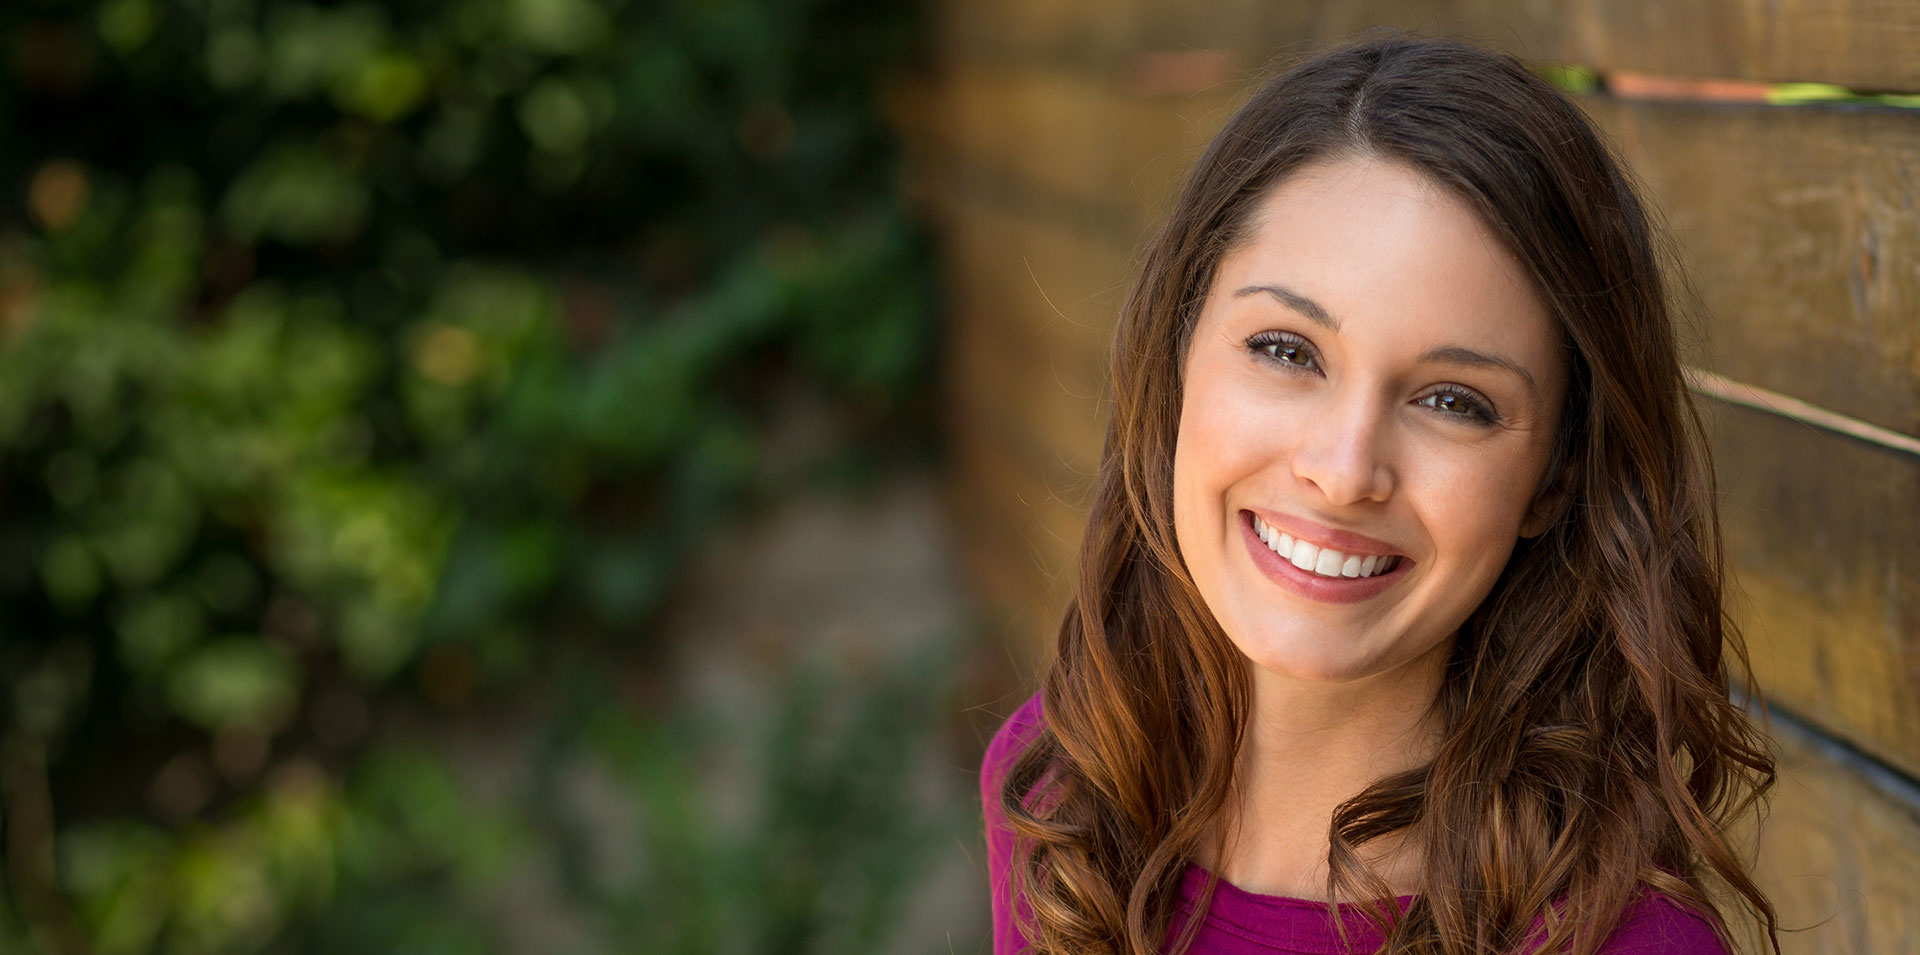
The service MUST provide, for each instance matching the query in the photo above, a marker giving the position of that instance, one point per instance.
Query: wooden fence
(1056, 130)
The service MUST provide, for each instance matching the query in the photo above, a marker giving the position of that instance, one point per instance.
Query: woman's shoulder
(1655, 924)
(1008, 743)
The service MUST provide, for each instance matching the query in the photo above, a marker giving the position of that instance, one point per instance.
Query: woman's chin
(1305, 659)
(1311, 664)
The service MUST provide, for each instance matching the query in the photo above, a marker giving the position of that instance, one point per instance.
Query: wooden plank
(1065, 286)
(1075, 134)
(1801, 228)
(1031, 305)
(1006, 386)
(1862, 44)
(1032, 299)
(1031, 451)
(1019, 536)
(1111, 36)
(1839, 855)
(1036, 29)
(1031, 310)
(1823, 535)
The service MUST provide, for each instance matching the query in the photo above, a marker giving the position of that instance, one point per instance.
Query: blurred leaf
(155, 629)
(234, 682)
(555, 116)
(297, 195)
(312, 47)
(118, 871)
(233, 58)
(70, 571)
(558, 26)
(383, 88)
(46, 697)
(127, 24)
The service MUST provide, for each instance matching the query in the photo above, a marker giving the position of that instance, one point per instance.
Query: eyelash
(1268, 346)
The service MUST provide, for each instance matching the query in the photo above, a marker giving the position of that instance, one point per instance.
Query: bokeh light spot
(447, 354)
(57, 194)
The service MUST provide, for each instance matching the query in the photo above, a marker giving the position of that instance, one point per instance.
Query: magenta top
(1245, 923)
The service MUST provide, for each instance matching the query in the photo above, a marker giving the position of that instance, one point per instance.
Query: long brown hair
(1592, 749)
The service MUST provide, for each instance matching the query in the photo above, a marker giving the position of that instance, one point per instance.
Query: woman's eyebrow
(1293, 300)
(1456, 355)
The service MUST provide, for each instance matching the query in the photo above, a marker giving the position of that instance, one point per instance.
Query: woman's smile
(1326, 552)
(1320, 573)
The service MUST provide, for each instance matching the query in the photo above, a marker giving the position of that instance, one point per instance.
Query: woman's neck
(1310, 746)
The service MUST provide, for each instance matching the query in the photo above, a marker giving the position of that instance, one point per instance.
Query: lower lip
(1332, 590)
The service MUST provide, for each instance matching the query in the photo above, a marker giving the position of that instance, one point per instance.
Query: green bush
(357, 354)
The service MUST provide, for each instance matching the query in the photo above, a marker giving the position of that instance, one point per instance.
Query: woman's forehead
(1377, 241)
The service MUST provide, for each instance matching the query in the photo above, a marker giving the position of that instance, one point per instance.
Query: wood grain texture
(1801, 228)
(1082, 137)
(1031, 316)
(1839, 855)
(1030, 311)
(1258, 34)
(1019, 537)
(1862, 44)
(1823, 534)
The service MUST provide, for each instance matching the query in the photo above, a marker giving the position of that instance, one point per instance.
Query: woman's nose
(1343, 454)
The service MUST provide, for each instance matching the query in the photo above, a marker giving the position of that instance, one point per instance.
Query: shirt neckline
(1282, 921)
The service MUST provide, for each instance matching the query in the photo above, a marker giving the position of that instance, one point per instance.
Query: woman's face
(1372, 388)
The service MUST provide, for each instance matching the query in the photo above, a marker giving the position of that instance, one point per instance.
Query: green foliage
(357, 356)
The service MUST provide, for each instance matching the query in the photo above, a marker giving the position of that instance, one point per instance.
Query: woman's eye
(1459, 403)
(1283, 348)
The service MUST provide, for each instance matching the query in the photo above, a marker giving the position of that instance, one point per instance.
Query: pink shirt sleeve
(1007, 745)
(1657, 925)
(1652, 924)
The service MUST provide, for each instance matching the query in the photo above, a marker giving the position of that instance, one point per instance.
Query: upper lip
(1320, 535)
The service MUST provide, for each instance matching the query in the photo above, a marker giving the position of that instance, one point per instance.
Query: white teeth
(1323, 561)
(1330, 563)
(1305, 555)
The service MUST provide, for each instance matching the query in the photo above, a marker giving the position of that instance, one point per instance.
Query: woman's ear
(1549, 504)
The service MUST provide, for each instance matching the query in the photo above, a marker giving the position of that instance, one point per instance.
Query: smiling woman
(1398, 624)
